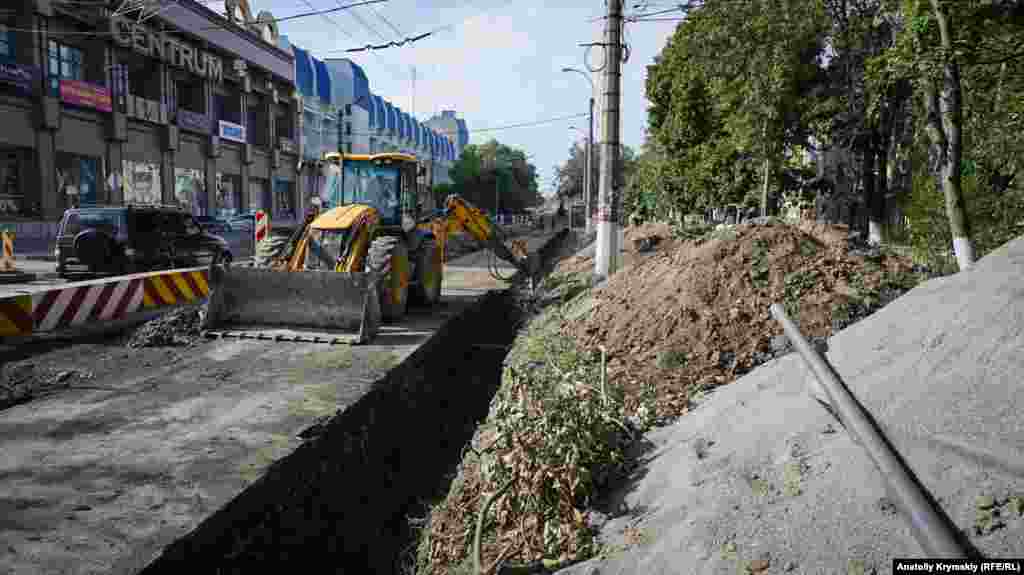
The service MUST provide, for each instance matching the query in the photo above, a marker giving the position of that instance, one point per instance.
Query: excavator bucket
(314, 306)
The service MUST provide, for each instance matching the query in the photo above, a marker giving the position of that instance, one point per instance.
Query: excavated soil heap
(689, 313)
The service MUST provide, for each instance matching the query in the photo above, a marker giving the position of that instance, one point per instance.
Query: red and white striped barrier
(262, 227)
(92, 302)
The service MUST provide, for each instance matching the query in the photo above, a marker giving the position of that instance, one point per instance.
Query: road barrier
(95, 302)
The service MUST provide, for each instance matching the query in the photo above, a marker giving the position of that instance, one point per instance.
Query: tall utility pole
(609, 221)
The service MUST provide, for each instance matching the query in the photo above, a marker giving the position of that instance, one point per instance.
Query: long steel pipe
(930, 528)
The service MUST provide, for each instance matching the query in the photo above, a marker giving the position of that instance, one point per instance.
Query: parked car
(244, 221)
(127, 239)
(214, 225)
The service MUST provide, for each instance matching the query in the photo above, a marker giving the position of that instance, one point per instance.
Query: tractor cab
(386, 182)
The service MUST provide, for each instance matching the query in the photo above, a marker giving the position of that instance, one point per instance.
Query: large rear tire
(389, 257)
(429, 272)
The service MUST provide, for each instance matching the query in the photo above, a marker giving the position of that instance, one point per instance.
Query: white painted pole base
(964, 250)
(874, 233)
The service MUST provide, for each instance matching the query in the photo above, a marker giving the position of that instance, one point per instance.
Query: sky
(498, 63)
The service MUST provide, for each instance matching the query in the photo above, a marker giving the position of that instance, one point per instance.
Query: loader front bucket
(256, 303)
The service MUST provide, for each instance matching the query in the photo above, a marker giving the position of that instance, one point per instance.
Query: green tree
(491, 168)
(727, 91)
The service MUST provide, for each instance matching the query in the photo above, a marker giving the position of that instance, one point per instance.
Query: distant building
(342, 114)
(454, 132)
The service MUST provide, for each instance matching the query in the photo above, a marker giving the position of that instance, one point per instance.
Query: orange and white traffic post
(7, 260)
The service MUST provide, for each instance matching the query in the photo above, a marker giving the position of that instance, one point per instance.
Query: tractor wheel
(430, 271)
(389, 257)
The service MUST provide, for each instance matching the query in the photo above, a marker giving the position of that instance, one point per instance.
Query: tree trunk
(945, 128)
(867, 177)
(878, 208)
(767, 168)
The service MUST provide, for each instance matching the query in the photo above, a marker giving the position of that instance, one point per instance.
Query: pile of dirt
(691, 315)
(178, 327)
(24, 381)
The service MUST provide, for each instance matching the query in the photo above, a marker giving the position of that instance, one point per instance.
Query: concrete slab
(761, 471)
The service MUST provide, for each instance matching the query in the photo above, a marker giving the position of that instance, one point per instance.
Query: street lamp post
(588, 184)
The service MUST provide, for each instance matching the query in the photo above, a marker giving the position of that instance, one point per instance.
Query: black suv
(133, 238)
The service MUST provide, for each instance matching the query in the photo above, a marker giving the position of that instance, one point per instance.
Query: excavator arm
(490, 235)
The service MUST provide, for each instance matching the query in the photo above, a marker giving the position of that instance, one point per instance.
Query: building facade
(186, 107)
(342, 114)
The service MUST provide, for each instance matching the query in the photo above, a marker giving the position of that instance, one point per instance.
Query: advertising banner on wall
(190, 190)
(141, 183)
(18, 75)
(193, 122)
(78, 93)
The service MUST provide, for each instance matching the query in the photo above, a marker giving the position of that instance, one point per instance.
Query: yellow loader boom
(490, 235)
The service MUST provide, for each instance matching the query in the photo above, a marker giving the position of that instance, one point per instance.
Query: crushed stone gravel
(178, 327)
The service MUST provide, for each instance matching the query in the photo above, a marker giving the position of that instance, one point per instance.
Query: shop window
(259, 195)
(329, 135)
(283, 122)
(6, 42)
(311, 135)
(190, 190)
(189, 95)
(142, 183)
(143, 76)
(284, 199)
(229, 195)
(66, 62)
(78, 180)
(227, 106)
(256, 121)
(12, 198)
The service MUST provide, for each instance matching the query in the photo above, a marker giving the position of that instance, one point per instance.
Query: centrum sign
(135, 36)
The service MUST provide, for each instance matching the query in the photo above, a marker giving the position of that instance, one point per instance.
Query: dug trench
(342, 500)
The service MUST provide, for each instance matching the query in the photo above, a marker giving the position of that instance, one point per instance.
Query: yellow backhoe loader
(354, 265)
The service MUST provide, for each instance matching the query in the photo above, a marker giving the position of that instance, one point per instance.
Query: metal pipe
(931, 529)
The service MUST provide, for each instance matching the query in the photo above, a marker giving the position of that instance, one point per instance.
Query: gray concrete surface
(759, 470)
(99, 478)
(144, 444)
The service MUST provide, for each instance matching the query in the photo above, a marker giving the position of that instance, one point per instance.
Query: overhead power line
(411, 39)
(388, 23)
(392, 44)
(90, 33)
(365, 24)
(498, 128)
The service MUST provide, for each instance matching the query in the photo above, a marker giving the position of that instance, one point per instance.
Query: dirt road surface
(139, 445)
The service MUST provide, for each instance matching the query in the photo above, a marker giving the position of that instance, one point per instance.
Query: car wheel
(226, 258)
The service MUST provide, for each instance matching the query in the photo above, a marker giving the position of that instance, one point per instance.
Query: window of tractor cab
(374, 185)
(324, 248)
